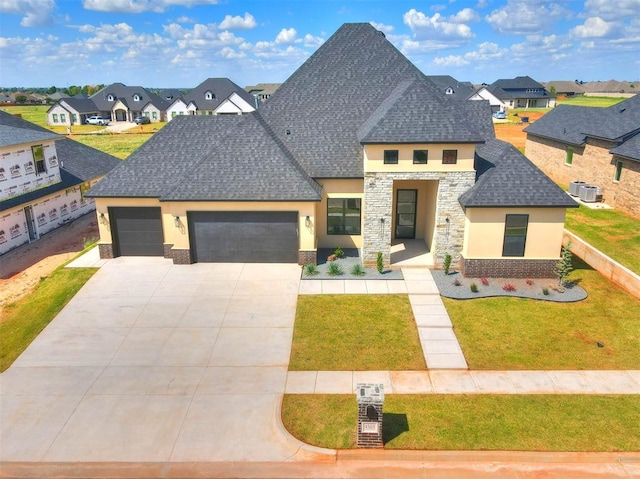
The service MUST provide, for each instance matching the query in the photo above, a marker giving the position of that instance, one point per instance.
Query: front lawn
(612, 232)
(118, 145)
(582, 100)
(474, 422)
(355, 333)
(513, 333)
(26, 318)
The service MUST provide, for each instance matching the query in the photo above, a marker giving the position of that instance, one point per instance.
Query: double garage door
(244, 236)
(221, 236)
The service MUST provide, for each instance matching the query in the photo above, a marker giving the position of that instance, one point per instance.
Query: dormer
(111, 97)
(137, 97)
(449, 91)
(208, 95)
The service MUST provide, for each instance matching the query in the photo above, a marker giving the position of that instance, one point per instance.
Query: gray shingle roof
(505, 178)
(617, 121)
(461, 90)
(81, 105)
(15, 135)
(513, 88)
(126, 95)
(629, 149)
(222, 88)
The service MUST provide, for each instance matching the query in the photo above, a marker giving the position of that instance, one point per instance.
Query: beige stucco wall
(179, 236)
(425, 209)
(591, 163)
(335, 188)
(374, 158)
(484, 232)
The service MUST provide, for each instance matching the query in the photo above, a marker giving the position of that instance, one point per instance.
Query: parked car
(96, 120)
(141, 120)
(500, 115)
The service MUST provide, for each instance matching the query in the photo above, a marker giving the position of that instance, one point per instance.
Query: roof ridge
(380, 112)
(314, 184)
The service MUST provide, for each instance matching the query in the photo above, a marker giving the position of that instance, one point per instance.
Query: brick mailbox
(370, 400)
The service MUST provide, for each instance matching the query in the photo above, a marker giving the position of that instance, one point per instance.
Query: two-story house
(379, 159)
(43, 177)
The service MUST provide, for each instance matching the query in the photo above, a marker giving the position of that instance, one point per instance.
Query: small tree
(380, 263)
(446, 264)
(563, 267)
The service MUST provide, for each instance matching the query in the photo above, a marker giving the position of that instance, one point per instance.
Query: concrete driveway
(155, 362)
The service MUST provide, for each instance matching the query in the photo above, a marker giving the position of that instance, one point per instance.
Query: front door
(31, 224)
(406, 201)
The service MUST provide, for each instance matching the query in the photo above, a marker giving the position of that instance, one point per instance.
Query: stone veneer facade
(378, 206)
(591, 163)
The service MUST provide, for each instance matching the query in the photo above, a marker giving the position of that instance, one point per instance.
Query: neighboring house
(117, 102)
(600, 146)
(611, 88)
(379, 157)
(43, 177)
(452, 87)
(262, 91)
(214, 96)
(483, 93)
(564, 88)
(522, 92)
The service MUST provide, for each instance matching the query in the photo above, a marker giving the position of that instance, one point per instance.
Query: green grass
(513, 333)
(34, 113)
(612, 232)
(474, 422)
(26, 318)
(355, 332)
(118, 145)
(599, 101)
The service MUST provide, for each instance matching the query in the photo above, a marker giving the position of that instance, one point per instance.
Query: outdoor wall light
(307, 221)
(176, 221)
(382, 220)
(447, 220)
(103, 219)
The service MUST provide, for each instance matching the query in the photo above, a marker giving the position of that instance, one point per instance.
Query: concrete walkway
(467, 382)
(154, 362)
(439, 343)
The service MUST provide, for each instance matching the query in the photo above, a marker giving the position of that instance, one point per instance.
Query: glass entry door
(406, 214)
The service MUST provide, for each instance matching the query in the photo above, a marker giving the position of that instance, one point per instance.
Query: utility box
(370, 401)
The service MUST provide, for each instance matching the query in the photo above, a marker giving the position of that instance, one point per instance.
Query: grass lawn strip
(474, 422)
(517, 334)
(612, 232)
(355, 333)
(27, 317)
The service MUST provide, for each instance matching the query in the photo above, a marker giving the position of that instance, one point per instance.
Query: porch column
(378, 205)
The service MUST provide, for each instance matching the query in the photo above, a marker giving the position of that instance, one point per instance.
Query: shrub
(335, 269)
(380, 263)
(563, 267)
(457, 282)
(474, 287)
(485, 281)
(338, 252)
(357, 270)
(529, 282)
(509, 288)
(545, 291)
(310, 269)
(446, 264)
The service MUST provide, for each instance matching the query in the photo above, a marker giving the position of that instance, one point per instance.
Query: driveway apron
(152, 361)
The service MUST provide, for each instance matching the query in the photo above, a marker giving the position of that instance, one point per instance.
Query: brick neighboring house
(357, 149)
(600, 146)
(43, 178)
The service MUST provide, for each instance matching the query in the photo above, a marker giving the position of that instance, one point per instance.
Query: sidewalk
(467, 382)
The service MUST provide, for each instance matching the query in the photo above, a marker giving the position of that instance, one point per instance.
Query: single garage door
(244, 236)
(136, 231)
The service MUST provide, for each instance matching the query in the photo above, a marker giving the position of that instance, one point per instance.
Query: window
(63, 118)
(420, 157)
(146, 114)
(137, 97)
(569, 158)
(449, 157)
(209, 96)
(154, 115)
(55, 117)
(173, 114)
(515, 235)
(343, 216)
(38, 158)
(390, 157)
(74, 118)
(111, 98)
(618, 173)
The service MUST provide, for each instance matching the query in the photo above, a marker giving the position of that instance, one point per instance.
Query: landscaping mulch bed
(349, 260)
(455, 286)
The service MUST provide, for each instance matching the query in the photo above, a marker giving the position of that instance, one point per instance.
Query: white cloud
(465, 15)
(230, 53)
(238, 23)
(612, 10)
(451, 61)
(185, 19)
(36, 12)
(486, 52)
(594, 27)
(310, 41)
(382, 27)
(525, 17)
(139, 6)
(286, 35)
(436, 26)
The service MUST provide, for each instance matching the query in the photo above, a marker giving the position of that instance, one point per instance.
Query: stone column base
(179, 256)
(307, 257)
(105, 250)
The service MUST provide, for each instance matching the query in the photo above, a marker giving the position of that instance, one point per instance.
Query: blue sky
(179, 43)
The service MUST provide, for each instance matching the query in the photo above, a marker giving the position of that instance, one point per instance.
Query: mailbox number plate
(369, 427)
